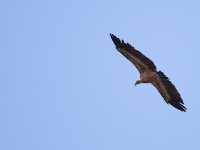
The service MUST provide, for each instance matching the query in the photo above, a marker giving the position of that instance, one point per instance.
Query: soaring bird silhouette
(149, 74)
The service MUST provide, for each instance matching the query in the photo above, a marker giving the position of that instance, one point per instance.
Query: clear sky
(65, 87)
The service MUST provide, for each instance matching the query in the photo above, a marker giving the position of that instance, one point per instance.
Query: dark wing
(168, 91)
(137, 58)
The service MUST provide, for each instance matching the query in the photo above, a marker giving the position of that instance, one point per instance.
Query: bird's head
(138, 82)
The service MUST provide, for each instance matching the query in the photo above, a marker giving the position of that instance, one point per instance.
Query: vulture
(149, 74)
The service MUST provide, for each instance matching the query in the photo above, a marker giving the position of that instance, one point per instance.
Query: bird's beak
(136, 83)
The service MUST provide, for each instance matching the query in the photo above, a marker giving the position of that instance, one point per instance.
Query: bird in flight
(149, 74)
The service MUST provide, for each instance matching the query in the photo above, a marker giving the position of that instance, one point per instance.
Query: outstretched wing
(168, 91)
(140, 61)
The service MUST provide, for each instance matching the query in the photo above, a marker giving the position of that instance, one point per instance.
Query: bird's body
(149, 74)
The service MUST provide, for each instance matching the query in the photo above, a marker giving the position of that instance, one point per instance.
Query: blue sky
(65, 87)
